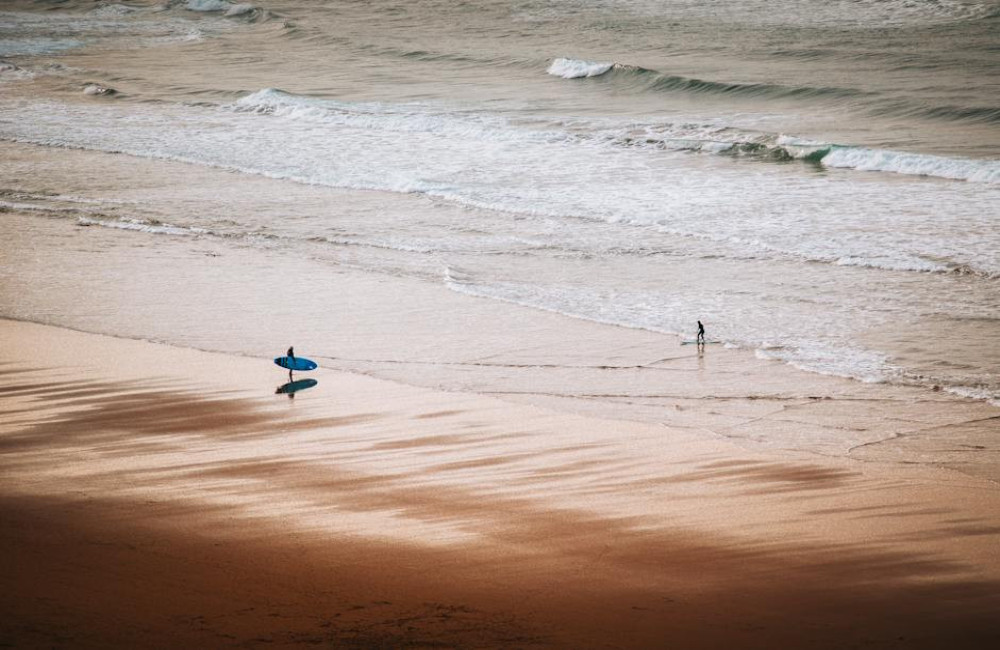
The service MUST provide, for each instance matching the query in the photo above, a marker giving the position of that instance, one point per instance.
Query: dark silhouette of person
(701, 333)
(291, 360)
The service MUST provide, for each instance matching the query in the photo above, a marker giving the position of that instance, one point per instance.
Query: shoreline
(506, 443)
(158, 496)
(203, 293)
(138, 206)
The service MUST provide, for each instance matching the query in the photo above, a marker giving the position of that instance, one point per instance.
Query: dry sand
(163, 497)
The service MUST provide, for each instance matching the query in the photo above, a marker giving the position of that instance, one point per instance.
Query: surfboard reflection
(293, 387)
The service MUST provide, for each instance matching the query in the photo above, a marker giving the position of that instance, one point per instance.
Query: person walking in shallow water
(701, 334)
(291, 360)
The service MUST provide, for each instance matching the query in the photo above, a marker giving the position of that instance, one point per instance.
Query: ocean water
(817, 181)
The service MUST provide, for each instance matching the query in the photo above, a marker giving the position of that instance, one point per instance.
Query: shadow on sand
(581, 578)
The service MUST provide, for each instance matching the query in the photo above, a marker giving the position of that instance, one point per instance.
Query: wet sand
(241, 295)
(162, 497)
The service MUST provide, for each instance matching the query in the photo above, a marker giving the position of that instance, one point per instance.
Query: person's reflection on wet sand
(293, 387)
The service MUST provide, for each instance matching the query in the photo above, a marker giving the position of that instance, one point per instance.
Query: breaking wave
(881, 160)
(639, 79)
(701, 138)
(574, 69)
(655, 81)
(781, 148)
(227, 8)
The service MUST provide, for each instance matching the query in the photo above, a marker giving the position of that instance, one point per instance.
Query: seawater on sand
(803, 180)
(515, 200)
(205, 292)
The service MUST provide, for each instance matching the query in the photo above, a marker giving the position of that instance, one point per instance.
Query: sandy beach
(162, 497)
(495, 226)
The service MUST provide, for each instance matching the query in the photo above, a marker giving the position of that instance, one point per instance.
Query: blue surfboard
(295, 363)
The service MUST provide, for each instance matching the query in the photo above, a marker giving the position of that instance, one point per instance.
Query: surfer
(701, 333)
(291, 361)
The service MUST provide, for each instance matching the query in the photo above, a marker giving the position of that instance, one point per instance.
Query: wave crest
(882, 160)
(575, 69)
(645, 80)
(781, 148)
(228, 9)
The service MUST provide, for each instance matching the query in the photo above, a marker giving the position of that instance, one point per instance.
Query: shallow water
(816, 181)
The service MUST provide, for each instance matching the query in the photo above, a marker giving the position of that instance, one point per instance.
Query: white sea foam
(574, 68)
(892, 264)
(488, 162)
(11, 72)
(977, 393)
(240, 9)
(189, 35)
(208, 5)
(376, 116)
(66, 198)
(98, 89)
(143, 226)
(688, 137)
(827, 154)
(980, 171)
(801, 148)
(228, 9)
(624, 309)
(825, 359)
(18, 206)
